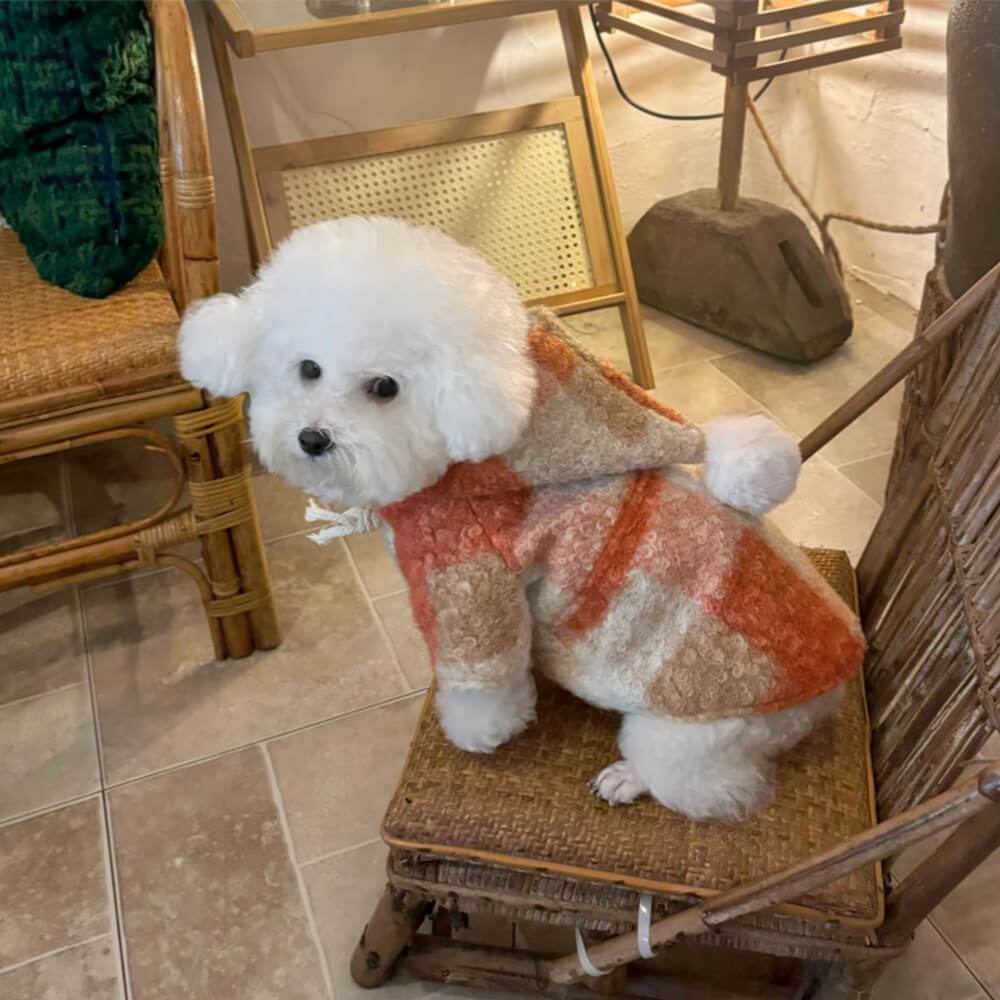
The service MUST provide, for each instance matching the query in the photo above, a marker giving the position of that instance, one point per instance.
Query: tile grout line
(954, 950)
(23, 817)
(42, 694)
(764, 409)
(340, 851)
(95, 716)
(279, 802)
(112, 890)
(379, 624)
(52, 954)
(795, 434)
(819, 456)
(115, 899)
(110, 861)
(295, 731)
(81, 618)
(858, 461)
(391, 593)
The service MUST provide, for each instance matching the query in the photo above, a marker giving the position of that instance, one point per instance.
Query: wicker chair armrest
(963, 802)
(190, 254)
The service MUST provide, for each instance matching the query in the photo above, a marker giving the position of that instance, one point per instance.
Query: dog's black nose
(314, 442)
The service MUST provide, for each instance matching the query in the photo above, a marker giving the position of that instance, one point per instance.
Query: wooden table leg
(585, 87)
(253, 202)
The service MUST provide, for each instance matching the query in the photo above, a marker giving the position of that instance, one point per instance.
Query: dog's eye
(383, 387)
(310, 371)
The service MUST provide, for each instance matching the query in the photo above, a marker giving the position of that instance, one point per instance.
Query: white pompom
(750, 463)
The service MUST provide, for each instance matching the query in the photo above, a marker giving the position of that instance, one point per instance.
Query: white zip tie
(356, 521)
(642, 925)
(584, 958)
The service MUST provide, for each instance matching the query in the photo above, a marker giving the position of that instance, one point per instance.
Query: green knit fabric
(79, 179)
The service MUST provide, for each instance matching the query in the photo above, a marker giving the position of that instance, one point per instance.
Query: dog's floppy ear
(485, 407)
(216, 345)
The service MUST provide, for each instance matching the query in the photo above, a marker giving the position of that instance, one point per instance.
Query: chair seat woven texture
(52, 339)
(528, 805)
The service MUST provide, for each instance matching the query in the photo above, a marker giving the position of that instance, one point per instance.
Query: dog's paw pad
(618, 784)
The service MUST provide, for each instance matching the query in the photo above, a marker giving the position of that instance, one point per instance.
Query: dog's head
(375, 355)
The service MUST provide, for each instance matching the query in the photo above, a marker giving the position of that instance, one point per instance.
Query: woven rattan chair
(76, 372)
(791, 903)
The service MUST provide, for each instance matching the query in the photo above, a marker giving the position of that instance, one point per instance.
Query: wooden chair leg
(585, 87)
(396, 919)
(635, 340)
(222, 499)
(849, 981)
(217, 548)
(229, 446)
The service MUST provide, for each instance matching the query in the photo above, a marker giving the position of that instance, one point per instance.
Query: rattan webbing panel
(52, 339)
(512, 197)
(528, 805)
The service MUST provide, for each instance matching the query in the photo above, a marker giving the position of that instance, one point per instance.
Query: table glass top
(274, 13)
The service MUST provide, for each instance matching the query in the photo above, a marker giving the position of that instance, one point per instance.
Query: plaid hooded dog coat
(585, 550)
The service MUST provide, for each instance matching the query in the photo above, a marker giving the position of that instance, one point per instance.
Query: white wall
(865, 137)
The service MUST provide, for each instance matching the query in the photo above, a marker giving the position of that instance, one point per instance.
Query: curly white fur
(719, 769)
(480, 721)
(750, 463)
(366, 298)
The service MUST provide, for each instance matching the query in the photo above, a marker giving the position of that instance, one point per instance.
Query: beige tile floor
(181, 829)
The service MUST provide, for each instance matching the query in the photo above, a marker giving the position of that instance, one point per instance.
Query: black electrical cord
(649, 111)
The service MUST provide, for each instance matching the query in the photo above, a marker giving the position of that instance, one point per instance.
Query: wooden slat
(91, 421)
(891, 5)
(581, 72)
(794, 39)
(661, 38)
(889, 837)
(921, 347)
(272, 190)
(234, 25)
(602, 263)
(822, 59)
(797, 11)
(396, 139)
(844, 16)
(260, 238)
(57, 401)
(671, 13)
(568, 303)
(931, 881)
(390, 22)
(505, 970)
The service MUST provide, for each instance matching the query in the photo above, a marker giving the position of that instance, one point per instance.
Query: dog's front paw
(618, 784)
(480, 721)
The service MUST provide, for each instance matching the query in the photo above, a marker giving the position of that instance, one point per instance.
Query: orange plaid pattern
(643, 593)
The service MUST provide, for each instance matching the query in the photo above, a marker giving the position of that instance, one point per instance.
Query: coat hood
(588, 421)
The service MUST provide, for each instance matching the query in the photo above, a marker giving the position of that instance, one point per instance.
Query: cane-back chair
(77, 372)
(792, 903)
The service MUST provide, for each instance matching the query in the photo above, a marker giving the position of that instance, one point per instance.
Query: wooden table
(530, 187)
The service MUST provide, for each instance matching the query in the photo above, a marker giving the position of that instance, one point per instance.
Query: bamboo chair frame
(209, 455)
(941, 362)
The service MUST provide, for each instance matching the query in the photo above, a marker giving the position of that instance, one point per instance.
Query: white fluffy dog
(377, 356)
